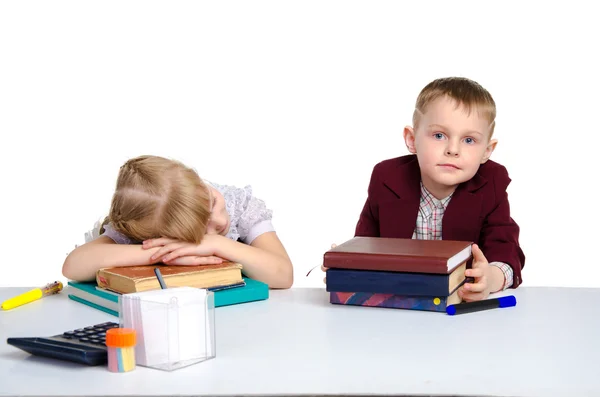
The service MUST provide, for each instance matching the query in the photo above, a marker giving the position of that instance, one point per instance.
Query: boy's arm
(499, 239)
(368, 222)
(505, 273)
(84, 261)
(368, 225)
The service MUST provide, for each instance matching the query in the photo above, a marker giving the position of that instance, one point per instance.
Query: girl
(161, 211)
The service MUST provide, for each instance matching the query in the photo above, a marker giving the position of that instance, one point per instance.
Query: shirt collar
(428, 200)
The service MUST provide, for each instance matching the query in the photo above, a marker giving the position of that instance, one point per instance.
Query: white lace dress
(249, 217)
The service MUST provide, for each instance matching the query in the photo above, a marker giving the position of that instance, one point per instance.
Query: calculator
(83, 345)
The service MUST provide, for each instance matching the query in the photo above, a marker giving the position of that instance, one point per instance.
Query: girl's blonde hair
(158, 197)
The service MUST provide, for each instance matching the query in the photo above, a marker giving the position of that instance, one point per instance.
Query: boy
(448, 188)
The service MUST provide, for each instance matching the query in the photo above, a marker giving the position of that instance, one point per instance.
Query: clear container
(120, 344)
(175, 326)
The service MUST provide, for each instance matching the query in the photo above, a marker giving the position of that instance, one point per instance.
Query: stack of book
(225, 280)
(397, 273)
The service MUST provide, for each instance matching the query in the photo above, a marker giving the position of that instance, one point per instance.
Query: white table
(296, 343)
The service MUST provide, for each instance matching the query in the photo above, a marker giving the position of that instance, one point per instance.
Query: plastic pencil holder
(120, 344)
(175, 326)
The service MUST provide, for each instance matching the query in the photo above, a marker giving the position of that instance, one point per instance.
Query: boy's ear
(488, 150)
(409, 139)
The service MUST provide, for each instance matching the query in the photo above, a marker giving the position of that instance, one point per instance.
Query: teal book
(251, 292)
(89, 294)
(95, 305)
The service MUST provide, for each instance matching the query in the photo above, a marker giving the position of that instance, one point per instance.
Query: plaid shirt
(429, 227)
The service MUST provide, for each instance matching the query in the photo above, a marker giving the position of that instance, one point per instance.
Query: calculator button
(80, 334)
(84, 339)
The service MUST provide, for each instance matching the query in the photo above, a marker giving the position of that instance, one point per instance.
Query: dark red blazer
(478, 211)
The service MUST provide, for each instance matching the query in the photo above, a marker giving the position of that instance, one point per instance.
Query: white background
(298, 99)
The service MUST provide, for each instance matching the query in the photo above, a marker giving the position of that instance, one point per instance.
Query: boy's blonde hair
(465, 92)
(158, 197)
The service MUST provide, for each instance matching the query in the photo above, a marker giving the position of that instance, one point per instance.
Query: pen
(486, 304)
(33, 295)
(160, 279)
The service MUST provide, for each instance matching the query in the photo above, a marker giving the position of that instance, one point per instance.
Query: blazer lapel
(462, 218)
(398, 211)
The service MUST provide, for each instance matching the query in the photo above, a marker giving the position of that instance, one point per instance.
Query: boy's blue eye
(470, 141)
(438, 135)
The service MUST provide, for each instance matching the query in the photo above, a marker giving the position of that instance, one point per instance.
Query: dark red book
(398, 255)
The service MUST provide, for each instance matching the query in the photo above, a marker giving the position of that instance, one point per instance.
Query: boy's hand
(175, 252)
(481, 271)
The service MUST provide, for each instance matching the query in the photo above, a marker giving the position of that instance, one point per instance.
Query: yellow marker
(436, 301)
(33, 295)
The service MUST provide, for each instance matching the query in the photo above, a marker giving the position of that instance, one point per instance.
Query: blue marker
(160, 279)
(469, 307)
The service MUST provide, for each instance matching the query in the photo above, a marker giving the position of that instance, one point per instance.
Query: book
(90, 294)
(252, 291)
(392, 301)
(398, 255)
(130, 279)
(397, 283)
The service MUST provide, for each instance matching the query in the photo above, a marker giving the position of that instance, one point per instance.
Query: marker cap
(507, 301)
(120, 337)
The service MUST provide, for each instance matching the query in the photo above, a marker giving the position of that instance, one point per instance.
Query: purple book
(427, 303)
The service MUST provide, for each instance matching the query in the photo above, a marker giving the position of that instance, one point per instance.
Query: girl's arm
(265, 259)
(84, 261)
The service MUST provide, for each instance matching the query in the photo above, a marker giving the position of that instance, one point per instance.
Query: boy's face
(450, 144)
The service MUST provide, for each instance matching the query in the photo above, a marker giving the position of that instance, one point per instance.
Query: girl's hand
(194, 260)
(174, 252)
